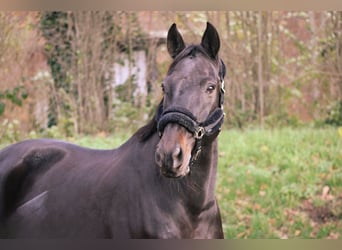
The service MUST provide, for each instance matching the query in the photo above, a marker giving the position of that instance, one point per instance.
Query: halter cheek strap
(222, 91)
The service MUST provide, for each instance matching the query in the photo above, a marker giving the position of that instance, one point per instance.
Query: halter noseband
(187, 120)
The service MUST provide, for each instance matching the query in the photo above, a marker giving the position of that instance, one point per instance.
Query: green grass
(101, 141)
(271, 182)
(267, 176)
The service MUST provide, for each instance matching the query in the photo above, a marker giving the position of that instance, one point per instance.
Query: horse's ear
(211, 41)
(175, 43)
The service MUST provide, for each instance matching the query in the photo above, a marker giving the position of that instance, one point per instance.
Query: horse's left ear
(211, 41)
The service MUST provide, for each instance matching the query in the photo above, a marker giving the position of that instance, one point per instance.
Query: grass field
(280, 183)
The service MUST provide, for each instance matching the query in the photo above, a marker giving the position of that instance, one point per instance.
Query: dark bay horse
(158, 184)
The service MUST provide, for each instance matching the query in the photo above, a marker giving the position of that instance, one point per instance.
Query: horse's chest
(179, 224)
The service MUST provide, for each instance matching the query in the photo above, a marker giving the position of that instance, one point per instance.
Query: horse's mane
(145, 132)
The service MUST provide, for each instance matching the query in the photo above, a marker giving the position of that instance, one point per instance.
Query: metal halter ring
(199, 133)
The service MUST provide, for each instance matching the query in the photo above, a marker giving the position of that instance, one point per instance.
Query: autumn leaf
(264, 149)
(339, 130)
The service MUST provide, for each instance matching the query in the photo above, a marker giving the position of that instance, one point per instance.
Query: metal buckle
(197, 153)
(199, 133)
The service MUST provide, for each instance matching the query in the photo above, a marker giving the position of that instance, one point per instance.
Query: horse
(160, 183)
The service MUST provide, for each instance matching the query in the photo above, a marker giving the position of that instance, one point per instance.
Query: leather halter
(187, 120)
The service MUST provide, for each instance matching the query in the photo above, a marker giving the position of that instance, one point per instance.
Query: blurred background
(93, 78)
(85, 72)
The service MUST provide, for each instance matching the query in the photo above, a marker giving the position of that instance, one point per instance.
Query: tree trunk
(260, 70)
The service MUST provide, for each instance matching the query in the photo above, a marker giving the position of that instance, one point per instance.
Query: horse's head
(192, 102)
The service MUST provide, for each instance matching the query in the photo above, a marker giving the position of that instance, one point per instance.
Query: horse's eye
(211, 88)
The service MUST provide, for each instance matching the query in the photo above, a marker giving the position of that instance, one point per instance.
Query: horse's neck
(199, 186)
(206, 169)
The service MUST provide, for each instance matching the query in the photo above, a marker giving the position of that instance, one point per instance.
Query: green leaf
(2, 108)
(24, 95)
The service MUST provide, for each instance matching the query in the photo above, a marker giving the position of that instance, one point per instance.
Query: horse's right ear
(211, 41)
(175, 42)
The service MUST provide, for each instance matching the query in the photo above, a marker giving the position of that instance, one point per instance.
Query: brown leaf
(262, 193)
(297, 233)
(325, 192)
(333, 235)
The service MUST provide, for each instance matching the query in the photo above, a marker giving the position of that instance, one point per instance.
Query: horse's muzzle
(171, 162)
(173, 152)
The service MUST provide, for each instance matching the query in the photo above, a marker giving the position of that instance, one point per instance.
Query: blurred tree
(13, 92)
(81, 48)
(330, 58)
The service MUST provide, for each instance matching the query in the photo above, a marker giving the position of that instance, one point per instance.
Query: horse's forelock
(193, 51)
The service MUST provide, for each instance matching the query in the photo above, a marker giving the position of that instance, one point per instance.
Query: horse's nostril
(177, 158)
(177, 154)
(170, 159)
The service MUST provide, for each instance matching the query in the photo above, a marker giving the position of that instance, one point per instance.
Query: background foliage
(284, 68)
